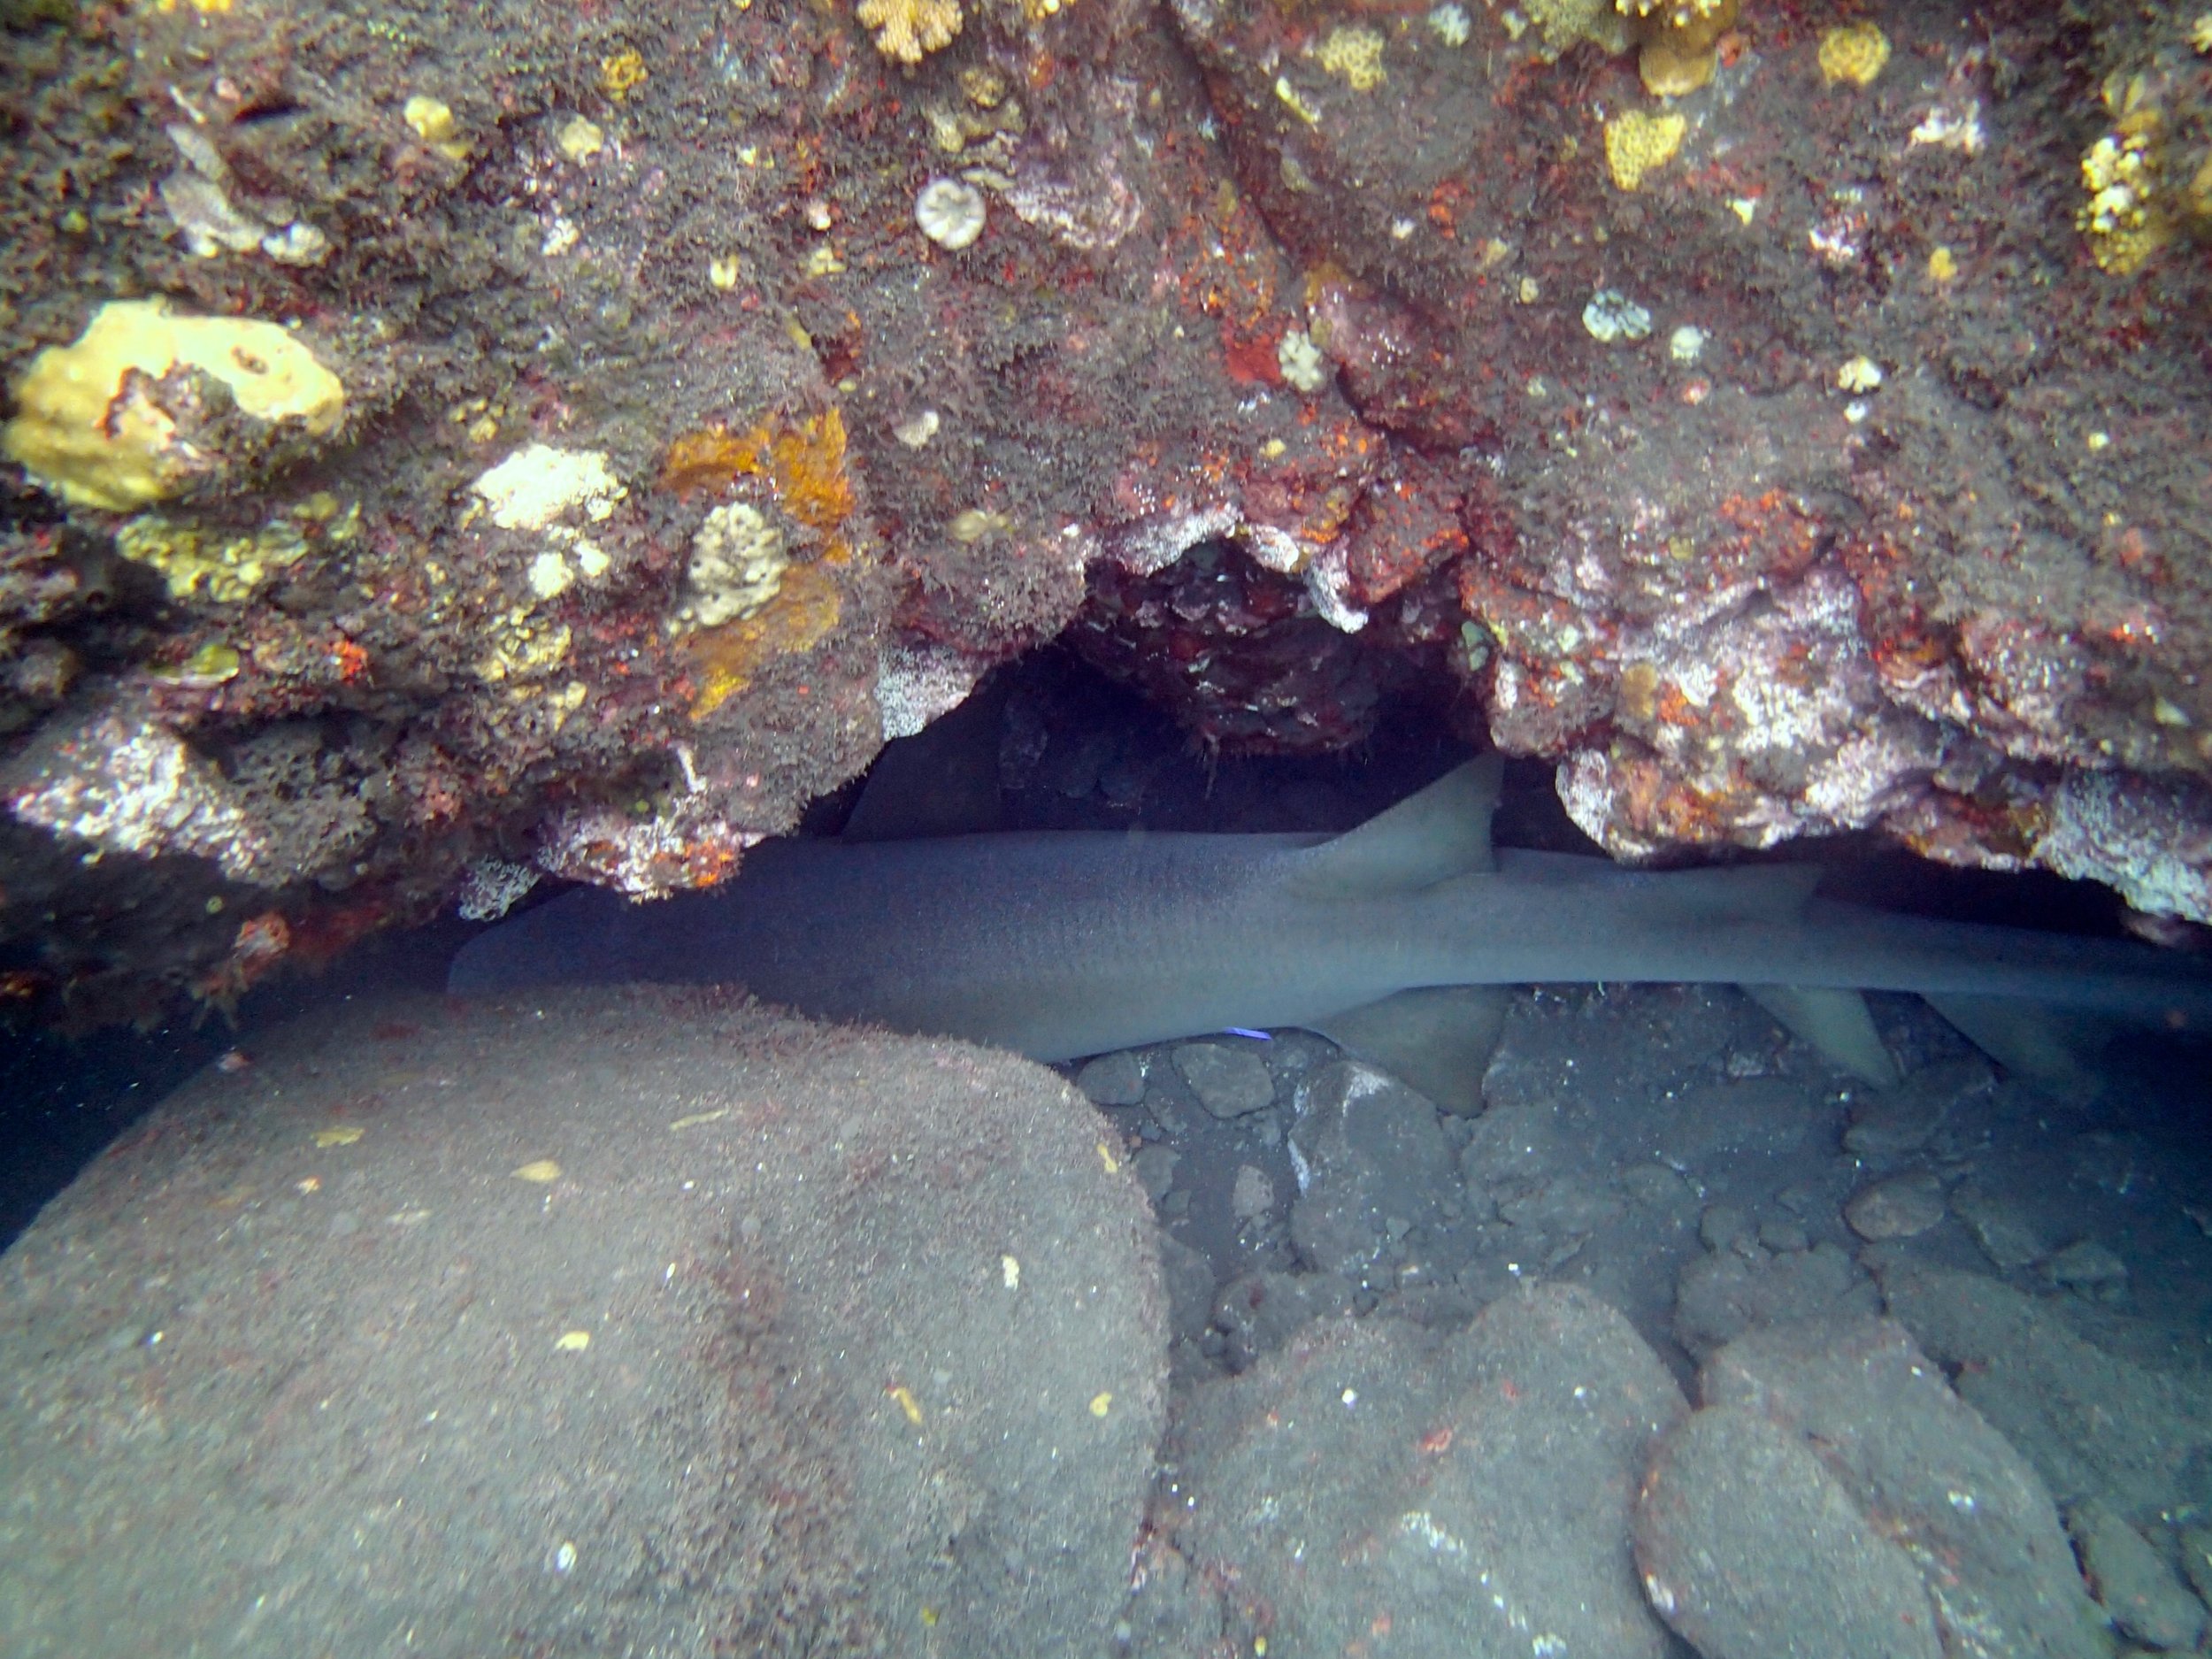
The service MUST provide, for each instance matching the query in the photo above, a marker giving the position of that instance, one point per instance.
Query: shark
(1393, 940)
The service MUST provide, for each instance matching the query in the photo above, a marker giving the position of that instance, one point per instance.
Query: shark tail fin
(1835, 1022)
(1436, 1038)
(1440, 831)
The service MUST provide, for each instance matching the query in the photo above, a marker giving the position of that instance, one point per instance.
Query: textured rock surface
(1749, 1546)
(1374, 1167)
(1229, 1082)
(2093, 1421)
(1929, 1473)
(646, 1324)
(2145, 1596)
(1371, 1471)
(1720, 1296)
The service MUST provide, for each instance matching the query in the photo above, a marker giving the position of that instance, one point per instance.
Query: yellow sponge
(96, 437)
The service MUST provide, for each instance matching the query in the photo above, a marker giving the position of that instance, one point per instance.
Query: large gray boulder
(596, 1323)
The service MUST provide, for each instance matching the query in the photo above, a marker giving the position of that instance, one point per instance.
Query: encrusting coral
(910, 30)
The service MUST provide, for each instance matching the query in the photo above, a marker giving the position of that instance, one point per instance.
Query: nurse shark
(1387, 939)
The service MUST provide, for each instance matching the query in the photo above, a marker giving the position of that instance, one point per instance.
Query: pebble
(1903, 1207)
(1252, 1196)
(1719, 1297)
(2005, 1236)
(1890, 1121)
(2087, 1265)
(2133, 1581)
(1929, 1473)
(1785, 1232)
(1155, 1169)
(1725, 1226)
(1229, 1082)
(1112, 1079)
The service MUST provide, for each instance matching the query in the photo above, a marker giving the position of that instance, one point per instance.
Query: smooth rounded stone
(1749, 1548)
(1372, 1466)
(1112, 1079)
(1809, 1198)
(1189, 1278)
(2004, 1234)
(1655, 1186)
(1373, 1164)
(1566, 1206)
(2087, 1265)
(2133, 1581)
(1229, 1082)
(2118, 1163)
(1167, 1118)
(1903, 1207)
(1889, 1122)
(656, 1323)
(1928, 1472)
(1719, 1297)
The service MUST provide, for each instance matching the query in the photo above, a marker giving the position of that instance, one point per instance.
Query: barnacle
(1567, 23)
(621, 73)
(434, 124)
(1354, 56)
(738, 561)
(951, 212)
(1678, 39)
(201, 562)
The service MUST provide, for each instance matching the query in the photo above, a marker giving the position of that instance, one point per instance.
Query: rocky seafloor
(647, 1321)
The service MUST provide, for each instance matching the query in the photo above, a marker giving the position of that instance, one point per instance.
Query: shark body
(1058, 945)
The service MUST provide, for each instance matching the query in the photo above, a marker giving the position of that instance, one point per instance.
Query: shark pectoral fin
(1443, 831)
(1436, 1038)
(2052, 1048)
(1836, 1023)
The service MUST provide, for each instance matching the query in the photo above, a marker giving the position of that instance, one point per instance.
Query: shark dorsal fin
(1441, 832)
